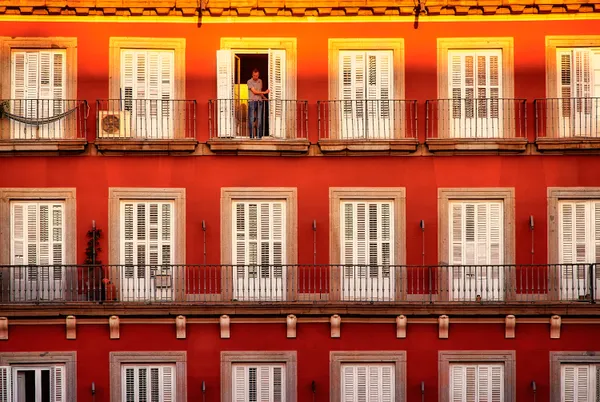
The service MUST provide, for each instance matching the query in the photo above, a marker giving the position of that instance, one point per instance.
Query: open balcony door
(476, 251)
(147, 83)
(38, 89)
(366, 88)
(475, 88)
(278, 103)
(367, 248)
(147, 230)
(579, 89)
(37, 251)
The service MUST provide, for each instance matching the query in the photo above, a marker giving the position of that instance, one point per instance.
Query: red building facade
(420, 220)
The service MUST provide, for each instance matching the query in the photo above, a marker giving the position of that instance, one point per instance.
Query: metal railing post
(592, 284)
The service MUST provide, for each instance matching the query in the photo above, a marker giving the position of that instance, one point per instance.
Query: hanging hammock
(31, 120)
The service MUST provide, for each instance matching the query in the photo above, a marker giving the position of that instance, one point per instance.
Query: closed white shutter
(261, 382)
(368, 382)
(352, 93)
(580, 383)
(477, 249)
(148, 383)
(147, 84)
(225, 101)
(5, 384)
(259, 252)
(475, 86)
(476, 382)
(379, 92)
(58, 384)
(277, 97)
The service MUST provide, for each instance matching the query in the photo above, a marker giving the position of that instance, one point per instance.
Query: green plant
(93, 247)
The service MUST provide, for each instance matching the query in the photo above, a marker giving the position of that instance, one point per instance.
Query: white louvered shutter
(259, 252)
(475, 86)
(253, 383)
(579, 383)
(225, 96)
(477, 249)
(352, 94)
(38, 88)
(277, 97)
(482, 383)
(147, 241)
(147, 82)
(379, 93)
(5, 384)
(367, 382)
(58, 384)
(148, 383)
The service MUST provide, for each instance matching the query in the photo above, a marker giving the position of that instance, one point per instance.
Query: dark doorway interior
(244, 64)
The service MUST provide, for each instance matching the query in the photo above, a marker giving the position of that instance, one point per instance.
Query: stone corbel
(509, 326)
(113, 325)
(555, 327)
(401, 326)
(336, 323)
(291, 325)
(3, 329)
(444, 324)
(224, 322)
(71, 323)
(180, 322)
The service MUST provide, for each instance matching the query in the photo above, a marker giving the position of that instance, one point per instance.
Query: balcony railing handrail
(567, 117)
(225, 283)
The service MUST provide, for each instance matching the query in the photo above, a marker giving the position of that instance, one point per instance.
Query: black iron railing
(43, 119)
(373, 119)
(145, 119)
(476, 118)
(567, 118)
(301, 283)
(239, 119)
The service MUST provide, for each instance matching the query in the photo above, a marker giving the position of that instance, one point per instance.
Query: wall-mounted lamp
(422, 386)
(203, 387)
(422, 226)
(313, 387)
(314, 228)
(93, 388)
(203, 225)
(531, 225)
(204, 239)
(534, 388)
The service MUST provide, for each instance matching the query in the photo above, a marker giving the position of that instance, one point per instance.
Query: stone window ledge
(134, 146)
(403, 145)
(42, 145)
(566, 145)
(263, 145)
(500, 145)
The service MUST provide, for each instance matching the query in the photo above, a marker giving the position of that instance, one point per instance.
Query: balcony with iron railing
(167, 125)
(43, 125)
(476, 124)
(270, 125)
(567, 124)
(384, 125)
(320, 286)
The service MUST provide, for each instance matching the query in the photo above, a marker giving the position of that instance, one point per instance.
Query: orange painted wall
(313, 344)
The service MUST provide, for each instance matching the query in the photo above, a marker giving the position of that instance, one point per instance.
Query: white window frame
(558, 360)
(42, 360)
(118, 360)
(259, 391)
(286, 358)
(396, 358)
(148, 367)
(463, 385)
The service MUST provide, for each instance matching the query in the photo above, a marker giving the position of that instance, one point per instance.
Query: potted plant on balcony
(96, 280)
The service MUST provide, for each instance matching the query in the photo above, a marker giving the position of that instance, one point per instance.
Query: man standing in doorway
(255, 104)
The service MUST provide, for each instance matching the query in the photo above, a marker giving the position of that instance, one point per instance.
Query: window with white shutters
(259, 235)
(147, 85)
(475, 89)
(579, 87)
(147, 243)
(580, 383)
(34, 383)
(476, 249)
(258, 382)
(142, 383)
(367, 248)
(37, 248)
(367, 382)
(366, 91)
(38, 86)
(579, 237)
(476, 382)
